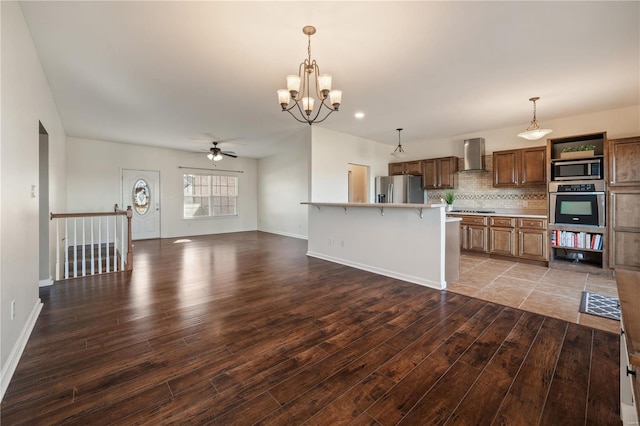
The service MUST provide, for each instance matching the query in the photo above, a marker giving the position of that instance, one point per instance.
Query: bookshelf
(579, 248)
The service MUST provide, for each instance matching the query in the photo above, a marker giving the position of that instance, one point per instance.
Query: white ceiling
(164, 73)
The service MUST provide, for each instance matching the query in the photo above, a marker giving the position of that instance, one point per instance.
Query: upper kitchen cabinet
(520, 167)
(439, 173)
(406, 168)
(624, 155)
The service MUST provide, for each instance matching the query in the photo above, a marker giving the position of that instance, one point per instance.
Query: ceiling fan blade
(229, 155)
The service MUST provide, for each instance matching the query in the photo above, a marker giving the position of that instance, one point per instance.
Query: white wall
(283, 183)
(93, 183)
(25, 100)
(331, 153)
(618, 123)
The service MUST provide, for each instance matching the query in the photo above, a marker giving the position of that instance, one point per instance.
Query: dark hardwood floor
(246, 329)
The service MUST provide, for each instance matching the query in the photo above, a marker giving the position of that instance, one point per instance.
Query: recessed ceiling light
(359, 114)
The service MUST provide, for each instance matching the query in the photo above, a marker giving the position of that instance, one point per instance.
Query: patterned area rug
(600, 305)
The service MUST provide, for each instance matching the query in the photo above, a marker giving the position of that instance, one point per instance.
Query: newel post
(129, 242)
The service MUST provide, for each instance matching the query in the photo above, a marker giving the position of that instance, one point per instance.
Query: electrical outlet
(342, 243)
(13, 309)
(330, 241)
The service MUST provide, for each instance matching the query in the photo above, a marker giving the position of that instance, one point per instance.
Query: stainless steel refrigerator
(399, 189)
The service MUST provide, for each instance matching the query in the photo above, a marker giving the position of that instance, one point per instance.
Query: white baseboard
(16, 352)
(285, 234)
(46, 282)
(628, 415)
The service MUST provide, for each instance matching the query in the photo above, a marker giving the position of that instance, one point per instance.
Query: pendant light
(534, 131)
(399, 152)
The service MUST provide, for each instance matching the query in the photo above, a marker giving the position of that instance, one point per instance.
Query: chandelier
(534, 131)
(298, 101)
(399, 152)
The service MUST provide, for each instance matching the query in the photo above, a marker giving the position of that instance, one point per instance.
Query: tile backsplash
(475, 191)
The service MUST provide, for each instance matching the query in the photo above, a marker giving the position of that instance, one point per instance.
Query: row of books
(576, 239)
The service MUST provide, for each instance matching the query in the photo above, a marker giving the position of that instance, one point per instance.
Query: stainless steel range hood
(473, 155)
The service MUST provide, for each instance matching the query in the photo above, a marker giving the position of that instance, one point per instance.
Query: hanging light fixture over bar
(399, 152)
(298, 101)
(534, 131)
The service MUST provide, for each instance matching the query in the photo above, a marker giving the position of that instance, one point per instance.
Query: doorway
(44, 272)
(141, 191)
(358, 176)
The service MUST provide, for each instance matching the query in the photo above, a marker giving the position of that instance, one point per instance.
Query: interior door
(141, 191)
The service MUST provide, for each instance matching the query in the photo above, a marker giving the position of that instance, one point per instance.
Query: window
(206, 195)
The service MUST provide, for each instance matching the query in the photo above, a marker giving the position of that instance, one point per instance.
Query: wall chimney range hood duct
(473, 155)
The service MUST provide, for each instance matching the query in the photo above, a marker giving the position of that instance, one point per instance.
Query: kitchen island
(403, 241)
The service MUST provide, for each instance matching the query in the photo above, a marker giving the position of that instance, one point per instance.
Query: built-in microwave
(577, 203)
(590, 168)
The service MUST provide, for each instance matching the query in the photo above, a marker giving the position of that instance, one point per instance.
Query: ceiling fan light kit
(298, 92)
(216, 154)
(534, 131)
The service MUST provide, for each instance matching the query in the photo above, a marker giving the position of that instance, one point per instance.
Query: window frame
(209, 194)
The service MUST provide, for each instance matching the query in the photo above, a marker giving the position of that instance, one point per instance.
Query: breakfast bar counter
(403, 241)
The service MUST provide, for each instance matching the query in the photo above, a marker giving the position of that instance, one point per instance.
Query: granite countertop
(533, 213)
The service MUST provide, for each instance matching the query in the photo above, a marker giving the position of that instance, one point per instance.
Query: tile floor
(552, 292)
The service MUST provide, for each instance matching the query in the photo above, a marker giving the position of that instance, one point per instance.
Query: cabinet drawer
(532, 223)
(474, 220)
(505, 222)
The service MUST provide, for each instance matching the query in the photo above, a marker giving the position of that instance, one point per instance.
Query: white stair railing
(114, 250)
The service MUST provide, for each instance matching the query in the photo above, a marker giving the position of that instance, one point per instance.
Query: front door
(141, 191)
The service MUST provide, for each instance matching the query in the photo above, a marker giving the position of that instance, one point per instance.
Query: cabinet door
(532, 244)
(464, 244)
(505, 168)
(477, 238)
(447, 168)
(502, 241)
(429, 179)
(413, 168)
(624, 156)
(533, 164)
(396, 169)
(625, 229)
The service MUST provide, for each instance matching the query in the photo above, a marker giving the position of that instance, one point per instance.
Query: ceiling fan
(216, 153)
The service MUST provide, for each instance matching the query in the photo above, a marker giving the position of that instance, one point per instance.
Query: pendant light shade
(534, 131)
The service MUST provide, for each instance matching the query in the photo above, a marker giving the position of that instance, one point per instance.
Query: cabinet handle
(630, 372)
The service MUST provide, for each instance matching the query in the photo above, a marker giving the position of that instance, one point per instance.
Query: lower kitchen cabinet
(473, 233)
(502, 236)
(517, 237)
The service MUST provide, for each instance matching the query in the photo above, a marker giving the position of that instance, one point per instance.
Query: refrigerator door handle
(390, 193)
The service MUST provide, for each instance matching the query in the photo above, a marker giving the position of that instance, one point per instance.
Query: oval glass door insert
(141, 196)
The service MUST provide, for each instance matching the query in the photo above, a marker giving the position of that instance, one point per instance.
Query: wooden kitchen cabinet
(406, 168)
(624, 155)
(502, 236)
(396, 169)
(520, 167)
(511, 236)
(624, 233)
(623, 204)
(532, 239)
(473, 233)
(439, 173)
